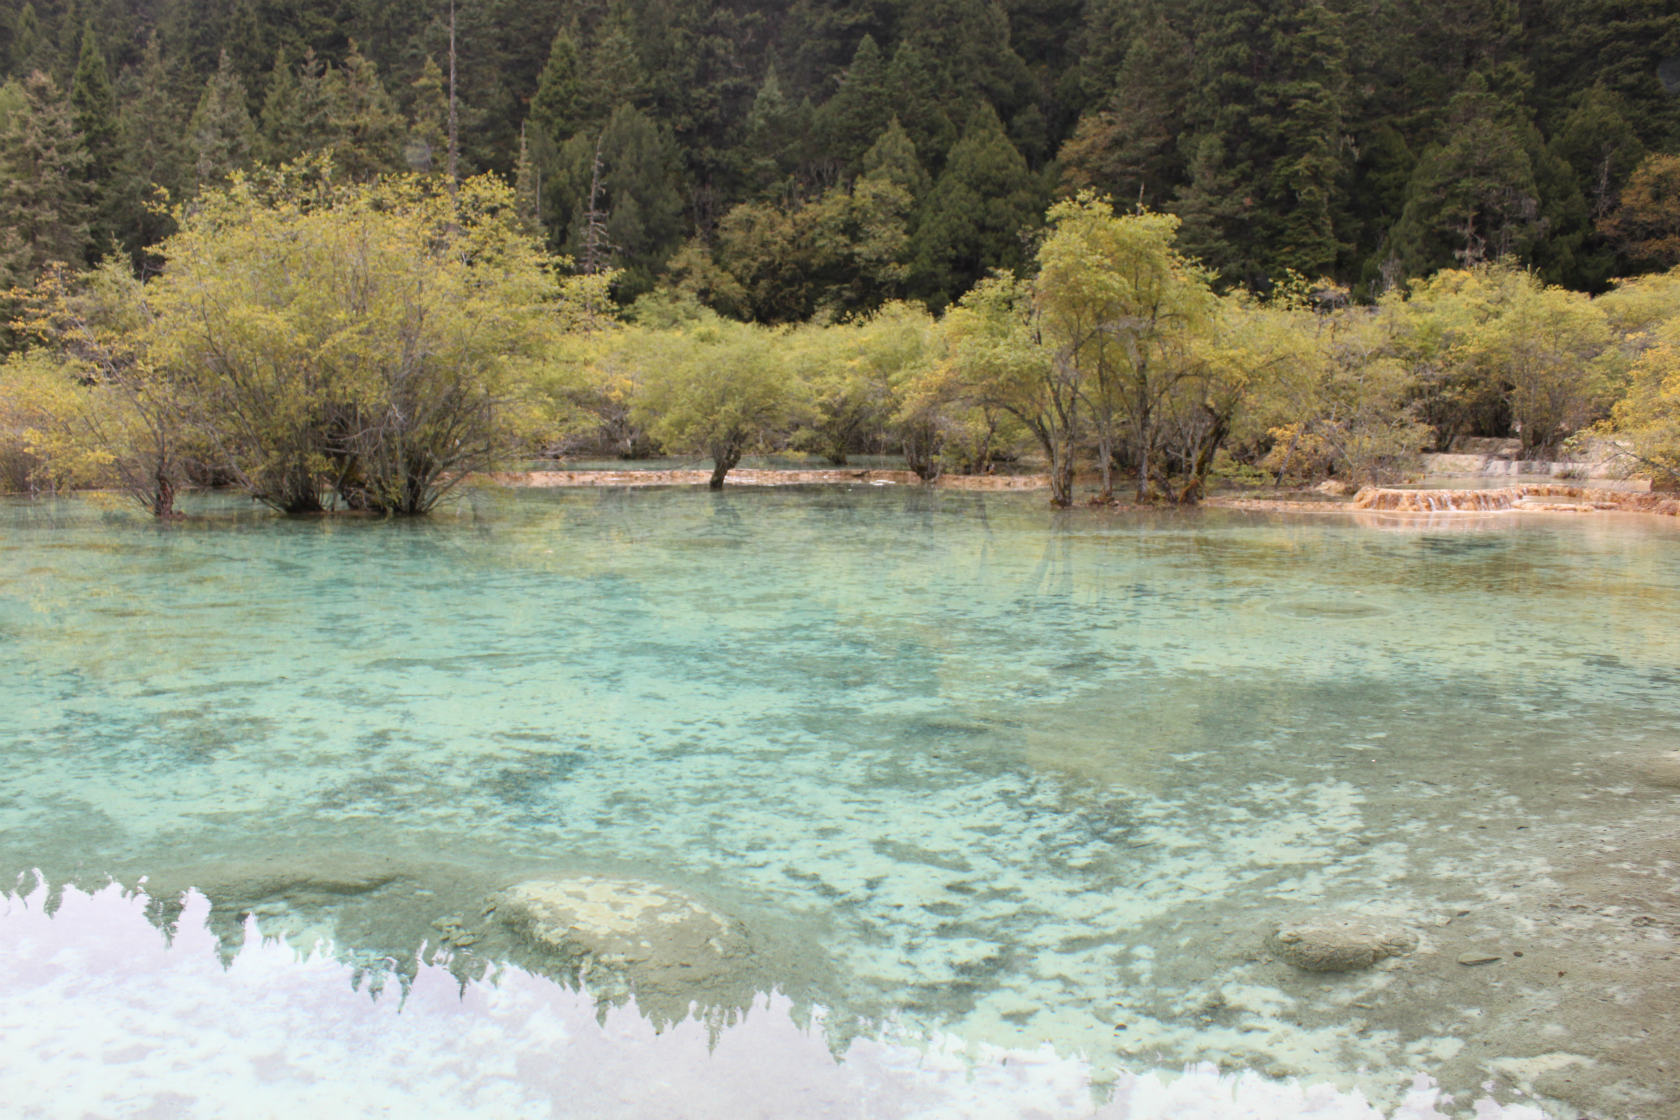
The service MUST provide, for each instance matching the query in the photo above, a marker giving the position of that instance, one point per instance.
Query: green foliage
(315, 342)
(427, 147)
(43, 197)
(859, 110)
(1493, 348)
(154, 156)
(1645, 423)
(1121, 312)
(836, 256)
(222, 135)
(974, 217)
(1490, 191)
(1645, 224)
(995, 359)
(93, 105)
(636, 195)
(716, 388)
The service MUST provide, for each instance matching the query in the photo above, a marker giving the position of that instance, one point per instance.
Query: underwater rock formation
(1340, 942)
(1663, 769)
(642, 934)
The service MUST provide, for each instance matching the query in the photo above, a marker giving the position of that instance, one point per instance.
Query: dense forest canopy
(824, 157)
(345, 254)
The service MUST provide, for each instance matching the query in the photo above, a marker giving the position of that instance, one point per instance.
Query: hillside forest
(1154, 242)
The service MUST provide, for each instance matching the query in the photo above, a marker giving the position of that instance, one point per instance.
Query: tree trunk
(723, 461)
(163, 498)
(1061, 475)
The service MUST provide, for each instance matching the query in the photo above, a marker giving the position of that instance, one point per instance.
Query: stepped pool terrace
(952, 773)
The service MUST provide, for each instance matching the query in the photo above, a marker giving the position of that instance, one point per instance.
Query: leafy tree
(1119, 309)
(1645, 423)
(997, 358)
(1345, 403)
(849, 400)
(97, 406)
(1493, 349)
(715, 387)
(1646, 222)
(330, 370)
(1540, 347)
(365, 344)
(43, 197)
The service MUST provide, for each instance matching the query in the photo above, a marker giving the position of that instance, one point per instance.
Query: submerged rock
(319, 875)
(1341, 942)
(644, 934)
(1664, 769)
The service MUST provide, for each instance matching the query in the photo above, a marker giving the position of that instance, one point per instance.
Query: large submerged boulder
(1663, 769)
(645, 935)
(1341, 942)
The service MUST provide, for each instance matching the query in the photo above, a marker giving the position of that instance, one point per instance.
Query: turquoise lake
(963, 766)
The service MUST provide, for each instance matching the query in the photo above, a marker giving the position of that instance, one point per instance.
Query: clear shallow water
(965, 766)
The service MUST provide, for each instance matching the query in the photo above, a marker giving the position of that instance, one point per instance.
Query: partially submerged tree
(318, 343)
(716, 387)
(1120, 311)
(997, 356)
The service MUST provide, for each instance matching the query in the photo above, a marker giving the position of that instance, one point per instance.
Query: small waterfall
(1478, 501)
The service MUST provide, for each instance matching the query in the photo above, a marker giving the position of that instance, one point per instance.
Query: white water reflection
(102, 1016)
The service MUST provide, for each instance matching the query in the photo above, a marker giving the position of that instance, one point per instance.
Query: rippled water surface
(962, 765)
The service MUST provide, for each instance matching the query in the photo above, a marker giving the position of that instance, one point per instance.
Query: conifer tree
(892, 158)
(428, 121)
(556, 107)
(317, 102)
(281, 135)
(28, 46)
(1128, 147)
(914, 92)
(154, 152)
(93, 106)
(43, 200)
(973, 219)
(221, 132)
(527, 190)
(366, 131)
(612, 73)
(1488, 191)
(774, 139)
(636, 193)
(850, 120)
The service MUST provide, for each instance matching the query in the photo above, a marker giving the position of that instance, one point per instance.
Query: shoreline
(1538, 497)
(546, 480)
